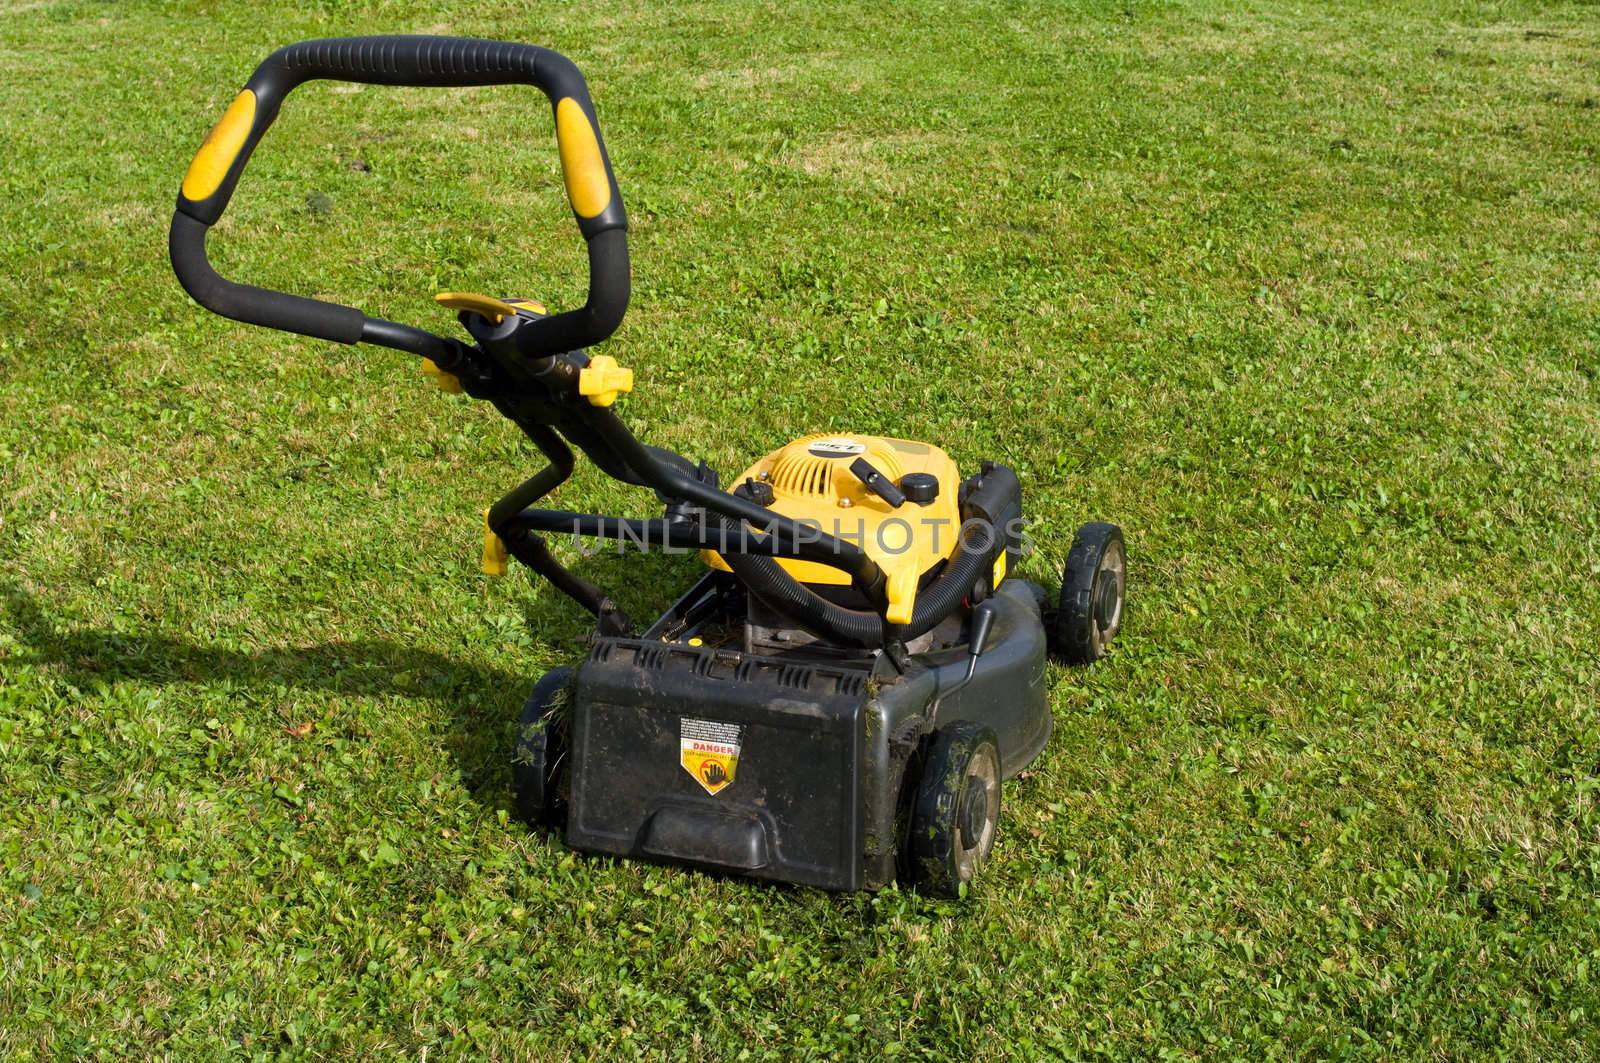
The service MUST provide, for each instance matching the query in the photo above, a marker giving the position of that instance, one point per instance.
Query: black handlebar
(423, 62)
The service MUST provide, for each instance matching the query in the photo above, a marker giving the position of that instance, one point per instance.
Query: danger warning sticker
(709, 751)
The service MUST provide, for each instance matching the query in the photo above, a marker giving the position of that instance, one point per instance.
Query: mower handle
(426, 62)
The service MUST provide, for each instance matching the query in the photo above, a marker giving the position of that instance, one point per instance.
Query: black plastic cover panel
(715, 758)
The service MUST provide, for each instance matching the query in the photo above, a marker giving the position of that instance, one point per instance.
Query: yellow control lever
(496, 310)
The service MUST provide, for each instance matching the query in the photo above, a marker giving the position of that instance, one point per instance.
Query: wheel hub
(974, 814)
(1107, 599)
(1105, 604)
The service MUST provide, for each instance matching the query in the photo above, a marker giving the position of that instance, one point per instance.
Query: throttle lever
(877, 483)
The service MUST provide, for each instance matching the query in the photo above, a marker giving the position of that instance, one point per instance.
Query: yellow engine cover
(811, 481)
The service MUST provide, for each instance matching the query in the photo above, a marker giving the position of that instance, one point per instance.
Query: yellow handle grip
(582, 166)
(221, 146)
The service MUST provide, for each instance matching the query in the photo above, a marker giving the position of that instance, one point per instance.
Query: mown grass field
(1304, 295)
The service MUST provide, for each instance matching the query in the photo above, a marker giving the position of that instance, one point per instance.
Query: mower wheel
(1094, 584)
(956, 810)
(541, 752)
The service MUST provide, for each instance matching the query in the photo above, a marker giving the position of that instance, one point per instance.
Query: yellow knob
(602, 380)
(446, 381)
(495, 553)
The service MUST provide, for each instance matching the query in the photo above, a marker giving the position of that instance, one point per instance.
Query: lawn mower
(836, 701)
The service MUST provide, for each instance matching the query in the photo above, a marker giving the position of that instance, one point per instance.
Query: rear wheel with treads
(541, 752)
(956, 810)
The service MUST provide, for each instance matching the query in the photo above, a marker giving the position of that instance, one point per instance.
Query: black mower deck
(815, 794)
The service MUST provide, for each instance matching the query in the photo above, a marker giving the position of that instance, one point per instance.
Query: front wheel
(1094, 586)
(956, 810)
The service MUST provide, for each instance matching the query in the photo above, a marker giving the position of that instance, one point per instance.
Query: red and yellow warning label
(709, 750)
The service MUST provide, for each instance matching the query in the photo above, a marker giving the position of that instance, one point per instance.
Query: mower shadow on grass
(483, 701)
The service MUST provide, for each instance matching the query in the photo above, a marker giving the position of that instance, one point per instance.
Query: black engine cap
(756, 491)
(919, 487)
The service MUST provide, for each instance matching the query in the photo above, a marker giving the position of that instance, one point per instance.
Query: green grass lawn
(1306, 296)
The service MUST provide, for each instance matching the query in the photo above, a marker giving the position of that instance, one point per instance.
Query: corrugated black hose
(990, 509)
